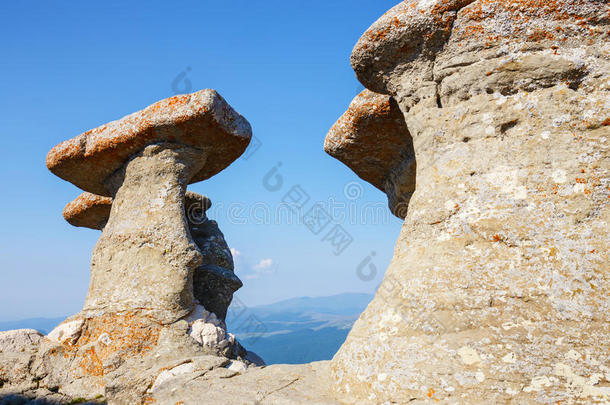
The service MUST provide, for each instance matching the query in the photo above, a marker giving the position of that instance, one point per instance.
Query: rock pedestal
(145, 258)
(214, 281)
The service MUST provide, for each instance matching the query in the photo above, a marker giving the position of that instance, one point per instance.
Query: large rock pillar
(498, 289)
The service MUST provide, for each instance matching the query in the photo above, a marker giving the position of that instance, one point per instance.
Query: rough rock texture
(145, 257)
(15, 340)
(373, 140)
(202, 120)
(152, 363)
(277, 384)
(92, 211)
(88, 211)
(17, 348)
(498, 289)
(141, 318)
(214, 281)
(118, 357)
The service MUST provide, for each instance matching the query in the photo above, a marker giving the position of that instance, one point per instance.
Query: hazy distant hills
(43, 325)
(298, 330)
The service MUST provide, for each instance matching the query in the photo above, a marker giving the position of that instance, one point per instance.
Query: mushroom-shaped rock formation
(372, 139)
(497, 291)
(214, 281)
(145, 161)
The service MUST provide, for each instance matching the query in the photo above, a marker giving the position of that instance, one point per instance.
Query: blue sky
(67, 67)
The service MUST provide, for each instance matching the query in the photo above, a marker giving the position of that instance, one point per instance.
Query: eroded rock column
(140, 317)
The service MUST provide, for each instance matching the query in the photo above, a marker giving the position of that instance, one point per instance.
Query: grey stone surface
(16, 340)
(214, 281)
(272, 385)
(145, 258)
(140, 317)
(17, 351)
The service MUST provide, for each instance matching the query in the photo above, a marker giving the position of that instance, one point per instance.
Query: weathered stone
(498, 288)
(202, 120)
(92, 211)
(67, 332)
(17, 351)
(237, 366)
(404, 42)
(214, 287)
(88, 211)
(118, 357)
(372, 139)
(214, 281)
(140, 311)
(277, 384)
(16, 340)
(145, 247)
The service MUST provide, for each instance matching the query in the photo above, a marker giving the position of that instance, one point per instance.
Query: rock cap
(407, 37)
(202, 120)
(373, 140)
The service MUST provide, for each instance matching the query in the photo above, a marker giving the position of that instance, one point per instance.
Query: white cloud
(263, 264)
(243, 265)
(237, 260)
(264, 267)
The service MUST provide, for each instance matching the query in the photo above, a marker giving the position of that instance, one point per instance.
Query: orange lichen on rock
(202, 120)
(88, 210)
(533, 19)
(371, 137)
(373, 140)
(123, 335)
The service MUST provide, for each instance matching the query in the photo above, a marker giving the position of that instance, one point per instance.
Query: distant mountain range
(298, 330)
(43, 325)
